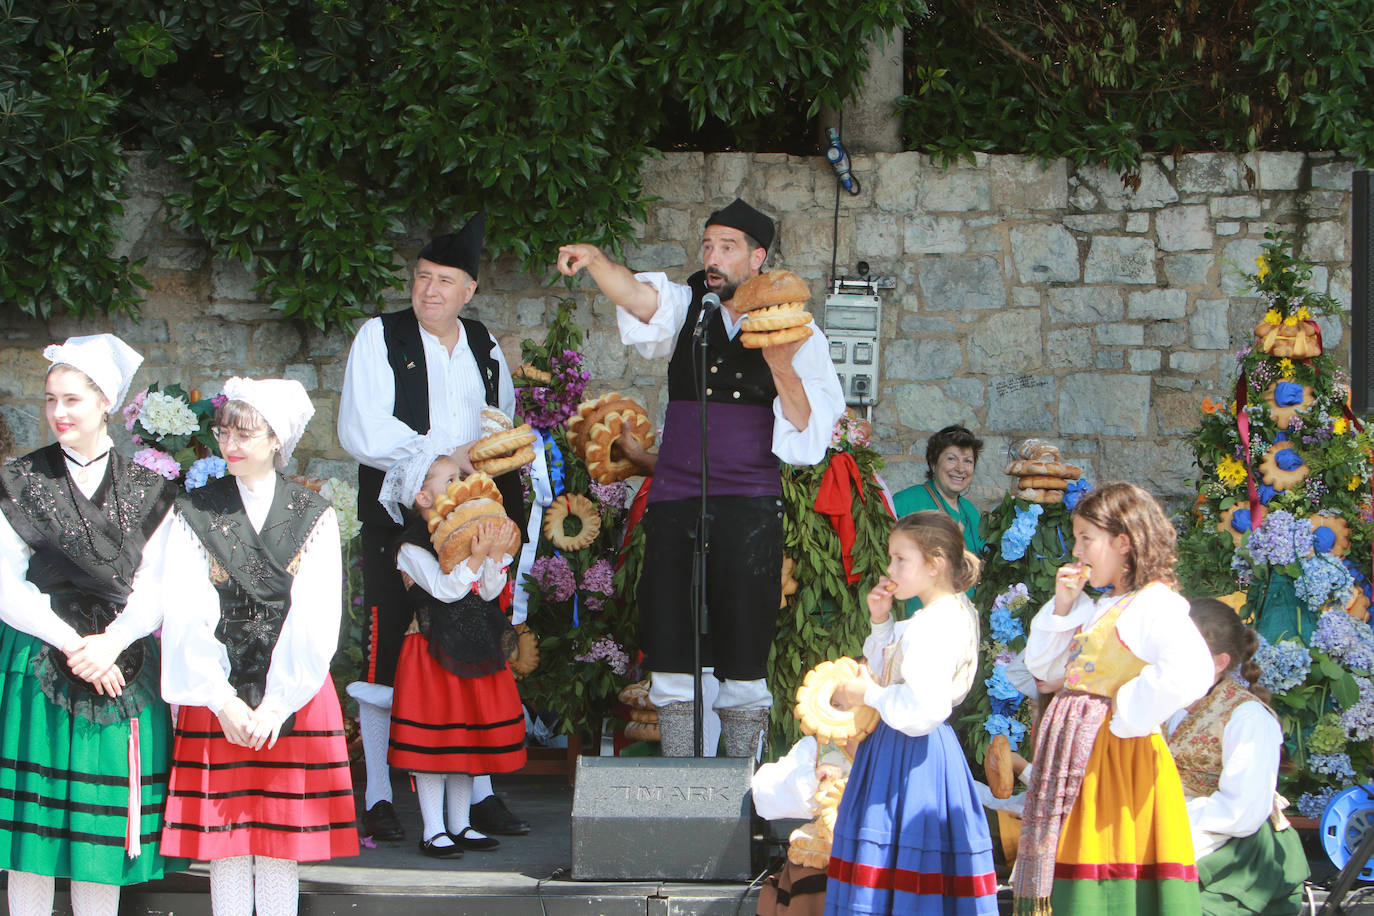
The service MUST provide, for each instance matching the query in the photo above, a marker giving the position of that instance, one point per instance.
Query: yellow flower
(1230, 471)
(1338, 427)
(1291, 320)
(1286, 367)
(1353, 483)
(1263, 266)
(1303, 314)
(1273, 317)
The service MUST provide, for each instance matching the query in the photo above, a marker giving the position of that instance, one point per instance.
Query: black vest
(251, 570)
(731, 366)
(405, 353)
(85, 554)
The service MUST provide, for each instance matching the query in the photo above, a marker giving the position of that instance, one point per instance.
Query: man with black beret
(764, 406)
(416, 375)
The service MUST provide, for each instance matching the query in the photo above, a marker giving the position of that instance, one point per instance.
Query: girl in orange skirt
(456, 712)
(1105, 828)
(260, 778)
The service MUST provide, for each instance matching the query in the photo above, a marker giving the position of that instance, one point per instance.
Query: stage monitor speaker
(1362, 292)
(662, 819)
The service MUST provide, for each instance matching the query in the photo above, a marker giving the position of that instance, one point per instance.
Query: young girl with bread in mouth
(1105, 829)
(456, 712)
(910, 834)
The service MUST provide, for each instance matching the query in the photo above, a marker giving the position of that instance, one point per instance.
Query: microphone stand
(700, 624)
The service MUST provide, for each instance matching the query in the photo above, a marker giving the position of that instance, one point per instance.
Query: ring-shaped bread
(579, 507)
(604, 461)
(1277, 477)
(525, 658)
(816, 710)
(499, 444)
(498, 466)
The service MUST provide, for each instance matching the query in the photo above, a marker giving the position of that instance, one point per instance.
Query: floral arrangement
(586, 629)
(173, 429)
(1282, 516)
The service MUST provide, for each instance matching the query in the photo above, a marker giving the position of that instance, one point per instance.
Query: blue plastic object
(1344, 822)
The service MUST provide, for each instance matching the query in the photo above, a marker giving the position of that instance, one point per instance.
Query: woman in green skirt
(84, 734)
(1227, 747)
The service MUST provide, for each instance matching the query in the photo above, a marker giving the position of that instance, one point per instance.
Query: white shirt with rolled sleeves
(1156, 627)
(367, 429)
(27, 609)
(656, 339)
(939, 659)
(423, 567)
(1244, 799)
(195, 665)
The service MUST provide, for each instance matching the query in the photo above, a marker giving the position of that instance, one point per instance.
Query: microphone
(709, 303)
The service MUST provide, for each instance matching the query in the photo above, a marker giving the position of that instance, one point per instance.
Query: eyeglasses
(224, 434)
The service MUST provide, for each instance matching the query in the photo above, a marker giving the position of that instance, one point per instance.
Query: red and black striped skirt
(293, 801)
(442, 723)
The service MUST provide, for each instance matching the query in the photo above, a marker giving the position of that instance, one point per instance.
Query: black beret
(461, 249)
(745, 218)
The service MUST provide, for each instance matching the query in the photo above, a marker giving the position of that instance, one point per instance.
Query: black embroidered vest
(85, 554)
(735, 374)
(251, 570)
(405, 353)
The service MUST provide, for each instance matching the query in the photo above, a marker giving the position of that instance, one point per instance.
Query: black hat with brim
(745, 218)
(461, 249)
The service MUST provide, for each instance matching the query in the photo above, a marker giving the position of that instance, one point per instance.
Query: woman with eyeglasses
(260, 778)
(85, 737)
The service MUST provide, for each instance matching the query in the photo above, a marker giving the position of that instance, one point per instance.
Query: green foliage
(304, 131)
(1107, 82)
(826, 618)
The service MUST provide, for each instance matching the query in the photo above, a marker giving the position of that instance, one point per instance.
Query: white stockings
(239, 882)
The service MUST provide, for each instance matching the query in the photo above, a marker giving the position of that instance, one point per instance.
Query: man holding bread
(772, 395)
(416, 376)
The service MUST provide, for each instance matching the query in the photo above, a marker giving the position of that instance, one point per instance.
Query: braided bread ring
(809, 846)
(601, 445)
(589, 412)
(525, 658)
(828, 798)
(506, 442)
(758, 340)
(1038, 450)
(818, 714)
(579, 507)
(498, 466)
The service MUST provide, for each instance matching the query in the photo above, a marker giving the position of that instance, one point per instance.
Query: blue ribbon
(555, 461)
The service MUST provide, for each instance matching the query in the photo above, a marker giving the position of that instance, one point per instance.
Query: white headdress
(104, 358)
(406, 478)
(282, 402)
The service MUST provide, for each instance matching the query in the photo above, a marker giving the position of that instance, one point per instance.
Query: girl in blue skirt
(911, 836)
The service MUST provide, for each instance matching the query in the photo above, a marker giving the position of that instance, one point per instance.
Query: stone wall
(1053, 301)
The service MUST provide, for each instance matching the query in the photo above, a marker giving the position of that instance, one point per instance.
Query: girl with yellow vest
(1105, 827)
(1227, 747)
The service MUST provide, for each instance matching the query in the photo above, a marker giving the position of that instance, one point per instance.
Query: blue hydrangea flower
(204, 470)
(1016, 539)
(1324, 582)
(1000, 687)
(1347, 640)
(1005, 725)
(1313, 804)
(1280, 539)
(1337, 765)
(1076, 491)
(1004, 625)
(1358, 720)
(1283, 665)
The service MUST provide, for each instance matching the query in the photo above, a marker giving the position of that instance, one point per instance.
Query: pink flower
(158, 462)
(131, 409)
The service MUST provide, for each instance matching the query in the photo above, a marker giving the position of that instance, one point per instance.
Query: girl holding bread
(1227, 747)
(910, 834)
(456, 713)
(1105, 828)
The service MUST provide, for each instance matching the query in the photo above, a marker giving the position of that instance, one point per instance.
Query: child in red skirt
(260, 778)
(456, 712)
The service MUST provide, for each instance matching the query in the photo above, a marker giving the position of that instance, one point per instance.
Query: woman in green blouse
(952, 457)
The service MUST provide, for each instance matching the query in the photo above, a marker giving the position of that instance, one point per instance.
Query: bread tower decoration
(1041, 476)
(643, 724)
(776, 306)
(594, 429)
(502, 447)
(456, 515)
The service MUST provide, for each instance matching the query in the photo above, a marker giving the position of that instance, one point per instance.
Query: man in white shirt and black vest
(764, 406)
(417, 375)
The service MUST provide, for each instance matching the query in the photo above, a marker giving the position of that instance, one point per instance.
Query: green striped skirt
(65, 789)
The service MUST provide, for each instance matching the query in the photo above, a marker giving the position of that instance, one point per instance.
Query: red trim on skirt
(442, 723)
(912, 882)
(1130, 871)
(294, 801)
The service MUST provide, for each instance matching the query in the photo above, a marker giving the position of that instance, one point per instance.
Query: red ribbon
(637, 507)
(1243, 425)
(835, 500)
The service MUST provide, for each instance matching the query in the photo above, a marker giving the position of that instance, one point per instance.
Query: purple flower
(131, 409)
(1280, 539)
(1345, 639)
(598, 583)
(158, 462)
(554, 577)
(609, 495)
(608, 650)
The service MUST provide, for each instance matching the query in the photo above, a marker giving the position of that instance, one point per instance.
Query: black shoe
(428, 848)
(381, 823)
(490, 815)
(473, 843)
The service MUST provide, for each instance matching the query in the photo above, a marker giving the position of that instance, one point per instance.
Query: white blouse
(195, 665)
(367, 429)
(1156, 627)
(423, 567)
(938, 649)
(656, 338)
(1244, 799)
(29, 610)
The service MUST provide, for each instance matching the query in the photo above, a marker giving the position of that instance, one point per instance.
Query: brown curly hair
(954, 436)
(937, 535)
(1223, 631)
(1124, 508)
